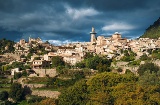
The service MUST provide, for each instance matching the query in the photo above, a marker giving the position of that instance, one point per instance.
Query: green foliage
(80, 64)
(16, 92)
(20, 74)
(74, 95)
(112, 89)
(57, 83)
(24, 73)
(88, 55)
(34, 99)
(102, 68)
(148, 66)
(3, 95)
(93, 62)
(79, 75)
(107, 79)
(17, 65)
(134, 63)
(36, 80)
(1, 66)
(57, 61)
(22, 56)
(128, 72)
(26, 67)
(153, 31)
(156, 54)
(99, 63)
(37, 58)
(136, 94)
(29, 55)
(68, 73)
(119, 70)
(5, 67)
(8, 103)
(17, 75)
(144, 57)
(150, 78)
(127, 58)
(48, 101)
(60, 69)
(128, 55)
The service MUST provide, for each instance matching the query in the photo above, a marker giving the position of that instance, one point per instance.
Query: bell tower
(93, 35)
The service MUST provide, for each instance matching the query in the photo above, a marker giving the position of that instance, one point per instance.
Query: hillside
(153, 31)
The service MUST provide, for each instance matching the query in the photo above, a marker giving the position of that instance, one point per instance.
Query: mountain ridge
(153, 31)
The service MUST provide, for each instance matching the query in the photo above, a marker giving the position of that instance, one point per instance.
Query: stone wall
(132, 69)
(34, 85)
(44, 72)
(46, 93)
(14, 56)
(124, 66)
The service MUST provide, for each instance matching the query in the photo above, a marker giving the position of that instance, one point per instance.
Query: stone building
(93, 35)
(40, 64)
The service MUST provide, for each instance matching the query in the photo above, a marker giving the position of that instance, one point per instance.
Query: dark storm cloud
(72, 20)
(115, 5)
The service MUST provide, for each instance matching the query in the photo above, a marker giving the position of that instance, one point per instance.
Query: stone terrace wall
(44, 72)
(46, 93)
(14, 56)
(124, 66)
(34, 85)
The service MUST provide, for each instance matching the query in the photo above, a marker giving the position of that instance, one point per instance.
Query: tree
(29, 55)
(111, 89)
(148, 66)
(17, 65)
(35, 99)
(17, 75)
(88, 55)
(102, 68)
(93, 62)
(144, 57)
(100, 87)
(16, 92)
(80, 64)
(128, 55)
(48, 101)
(150, 78)
(74, 95)
(3, 95)
(37, 58)
(24, 73)
(57, 61)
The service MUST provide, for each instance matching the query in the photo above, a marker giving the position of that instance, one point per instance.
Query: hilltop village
(39, 54)
(45, 70)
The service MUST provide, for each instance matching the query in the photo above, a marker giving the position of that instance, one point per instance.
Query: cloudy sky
(64, 21)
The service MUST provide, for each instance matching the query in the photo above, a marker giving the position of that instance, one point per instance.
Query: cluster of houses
(75, 52)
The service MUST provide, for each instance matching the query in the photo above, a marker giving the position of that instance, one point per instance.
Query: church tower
(93, 35)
